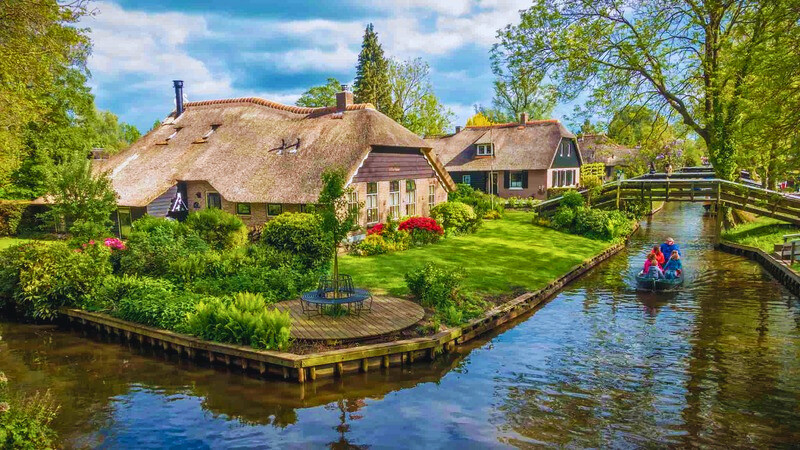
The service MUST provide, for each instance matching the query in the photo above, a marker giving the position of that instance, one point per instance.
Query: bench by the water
(790, 248)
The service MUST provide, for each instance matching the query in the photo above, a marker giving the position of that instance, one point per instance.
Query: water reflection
(713, 364)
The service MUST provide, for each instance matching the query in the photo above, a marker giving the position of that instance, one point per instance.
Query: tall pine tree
(372, 74)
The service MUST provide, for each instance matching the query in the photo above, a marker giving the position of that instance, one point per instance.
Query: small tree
(339, 217)
(81, 201)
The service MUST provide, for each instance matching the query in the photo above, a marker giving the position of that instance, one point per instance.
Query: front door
(491, 183)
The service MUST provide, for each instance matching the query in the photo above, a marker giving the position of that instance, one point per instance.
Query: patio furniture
(322, 299)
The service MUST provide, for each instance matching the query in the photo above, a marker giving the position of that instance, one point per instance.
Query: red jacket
(659, 258)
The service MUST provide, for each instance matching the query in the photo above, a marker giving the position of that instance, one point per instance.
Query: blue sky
(277, 49)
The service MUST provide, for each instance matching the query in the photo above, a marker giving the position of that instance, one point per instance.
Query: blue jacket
(667, 249)
(673, 264)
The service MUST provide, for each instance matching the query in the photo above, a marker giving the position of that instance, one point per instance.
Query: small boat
(645, 283)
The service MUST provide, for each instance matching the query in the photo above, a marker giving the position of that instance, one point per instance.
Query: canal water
(716, 364)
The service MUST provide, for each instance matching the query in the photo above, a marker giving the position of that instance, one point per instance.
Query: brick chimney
(344, 99)
(178, 84)
(458, 129)
(523, 118)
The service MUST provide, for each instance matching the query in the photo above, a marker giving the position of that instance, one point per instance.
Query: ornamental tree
(339, 217)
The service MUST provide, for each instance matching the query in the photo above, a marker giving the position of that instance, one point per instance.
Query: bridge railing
(744, 197)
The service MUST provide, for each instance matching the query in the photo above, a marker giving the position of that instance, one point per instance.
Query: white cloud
(339, 59)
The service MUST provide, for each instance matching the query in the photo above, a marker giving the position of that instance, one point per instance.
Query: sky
(278, 49)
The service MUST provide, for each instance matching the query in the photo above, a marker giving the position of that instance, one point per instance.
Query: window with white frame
(411, 197)
(394, 199)
(466, 179)
(431, 195)
(485, 149)
(372, 202)
(516, 180)
(352, 200)
(564, 177)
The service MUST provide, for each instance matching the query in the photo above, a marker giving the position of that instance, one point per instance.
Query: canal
(716, 364)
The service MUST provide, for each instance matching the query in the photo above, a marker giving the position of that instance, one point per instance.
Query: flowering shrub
(377, 229)
(114, 244)
(423, 230)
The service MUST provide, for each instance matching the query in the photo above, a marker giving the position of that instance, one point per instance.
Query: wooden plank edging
(777, 268)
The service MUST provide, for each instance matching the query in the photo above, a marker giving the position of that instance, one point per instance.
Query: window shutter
(506, 178)
(525, 179)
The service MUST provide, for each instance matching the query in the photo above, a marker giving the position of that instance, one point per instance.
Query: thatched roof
(600, 148)
(241, 160)
(531, 146)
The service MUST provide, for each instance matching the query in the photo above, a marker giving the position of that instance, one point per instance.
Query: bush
(373, 244)
(155, 243)
(492, 215)
(10, 217)
(423, 230)
(456, 217)
(219, 229)
(36, 279)
(563, 218)
(280, 283)
(151, 301)
(435, 286)
(554, 192)
(376, 229)
(243, 320)
(25, 420)
(572, 199)
(300, 234)
(600, 224)
(481, 202)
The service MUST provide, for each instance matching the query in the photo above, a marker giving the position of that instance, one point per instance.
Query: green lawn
(503, 256)
(6, 242)
(763, 233)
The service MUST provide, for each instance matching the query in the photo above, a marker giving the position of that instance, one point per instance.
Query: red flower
(377, 229)
(421, 223)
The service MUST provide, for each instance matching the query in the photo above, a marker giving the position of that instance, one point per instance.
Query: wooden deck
(388, 314)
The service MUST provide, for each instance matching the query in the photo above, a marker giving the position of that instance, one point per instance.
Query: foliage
(456, 217)
(414, 104)
(320, 96)
(153, 302)
(554, 192)
(372, 74)
(423, 230)
(10, 217)
(80, 200)
(572, 199)
(376, 229)
(339, 218)
(154, 243)
(275, 283)
(439, 287)
(563, 218)
(243, 320)
(479, 120)
(373, 244)
(695, 60)
(36, 278)
(25, 420)
(763, 232)
(517, 90)
(219, 229)
(596, 170)
(519, 202)
(385, 238)
(300, 234)
(492, 215)
(480, 201)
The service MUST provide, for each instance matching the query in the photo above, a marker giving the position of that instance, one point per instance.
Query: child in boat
(659, 256)
(672, 269)
(651, 268)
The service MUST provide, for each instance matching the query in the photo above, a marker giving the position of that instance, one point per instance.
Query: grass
(6, 242)
(503, 256)
(763, 233)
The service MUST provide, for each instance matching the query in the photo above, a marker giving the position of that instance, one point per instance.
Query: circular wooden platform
(388, 314)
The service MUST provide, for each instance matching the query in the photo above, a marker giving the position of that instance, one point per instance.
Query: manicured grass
(6, 242)
(503, 256)
(763, 233)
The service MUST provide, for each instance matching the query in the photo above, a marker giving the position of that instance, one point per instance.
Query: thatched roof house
(599, 148)
(527, 157)
(256, 158)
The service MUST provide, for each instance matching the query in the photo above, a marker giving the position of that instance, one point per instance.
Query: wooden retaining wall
(333, 363)
(777, 268)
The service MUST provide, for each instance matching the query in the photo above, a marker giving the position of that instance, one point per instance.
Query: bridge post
(619, 186)
(718, 225)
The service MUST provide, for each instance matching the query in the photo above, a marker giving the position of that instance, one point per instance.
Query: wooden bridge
(690, 187)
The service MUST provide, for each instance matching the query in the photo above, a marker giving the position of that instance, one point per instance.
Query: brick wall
(421, 198)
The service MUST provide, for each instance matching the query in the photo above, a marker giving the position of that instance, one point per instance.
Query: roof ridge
(279, 106)
(513, 124)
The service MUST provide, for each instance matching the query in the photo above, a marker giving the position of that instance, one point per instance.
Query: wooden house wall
(563, 162)
(393, 163)
(160, 206)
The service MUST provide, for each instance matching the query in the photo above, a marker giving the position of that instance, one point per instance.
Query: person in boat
(673, 267)
(659, 256)
(651, 268)
(670, 245)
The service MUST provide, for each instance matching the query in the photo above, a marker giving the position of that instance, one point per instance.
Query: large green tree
(372, 74)
(414, 104)
(691, 59)
(41, 46)
(519, 89)
(320, 96)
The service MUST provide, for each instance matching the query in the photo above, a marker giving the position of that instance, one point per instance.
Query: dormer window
(174, 133)
(485, 149)
(211, 131)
